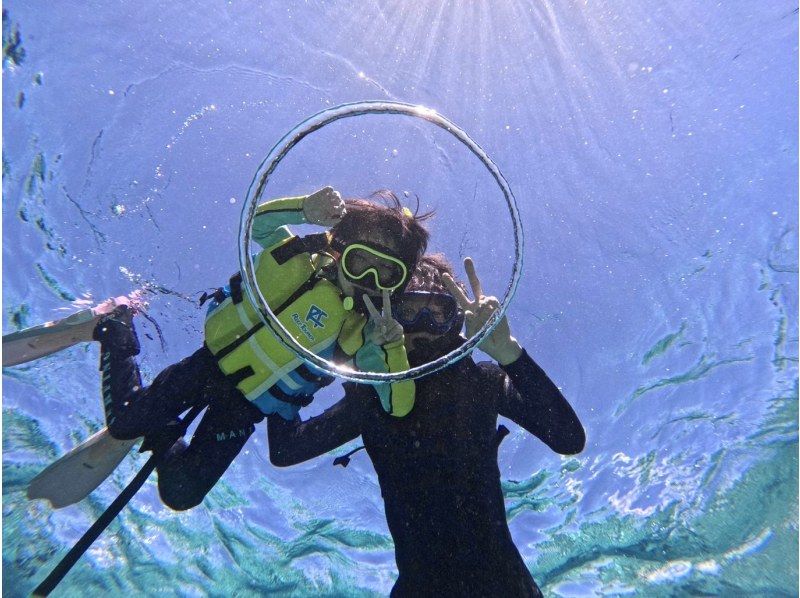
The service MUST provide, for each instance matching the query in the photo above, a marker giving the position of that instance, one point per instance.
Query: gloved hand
(499, 345)
(324, 207)
(382, 328)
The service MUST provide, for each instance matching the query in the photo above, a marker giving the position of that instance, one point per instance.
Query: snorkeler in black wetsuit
(243, 372)
(437, 467)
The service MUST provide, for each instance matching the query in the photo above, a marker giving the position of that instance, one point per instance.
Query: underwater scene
(652, 151)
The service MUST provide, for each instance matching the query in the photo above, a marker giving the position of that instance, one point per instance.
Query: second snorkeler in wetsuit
(437, 467)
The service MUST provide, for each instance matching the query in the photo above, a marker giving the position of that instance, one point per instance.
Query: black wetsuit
(437, 468)
(189, 472)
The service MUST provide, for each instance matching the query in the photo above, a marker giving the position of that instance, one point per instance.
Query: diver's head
(430, 316)
(379, 245)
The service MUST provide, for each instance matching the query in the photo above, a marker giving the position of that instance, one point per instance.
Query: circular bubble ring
(256, 191)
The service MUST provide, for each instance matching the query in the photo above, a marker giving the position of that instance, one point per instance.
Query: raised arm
(385, 351)
(292, 442)
(527, 396)
(324, 207)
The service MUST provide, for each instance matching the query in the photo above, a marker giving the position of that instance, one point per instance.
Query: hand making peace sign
(385, 328)
(499, 345)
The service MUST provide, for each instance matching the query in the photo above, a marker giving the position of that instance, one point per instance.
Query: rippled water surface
(652, 147)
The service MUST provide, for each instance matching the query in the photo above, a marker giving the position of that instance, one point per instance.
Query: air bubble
(256, 193)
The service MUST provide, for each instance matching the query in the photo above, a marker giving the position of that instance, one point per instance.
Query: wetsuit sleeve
(272, 216)
(292, 442)
(397, 398)
(402, 393)
(529, 398)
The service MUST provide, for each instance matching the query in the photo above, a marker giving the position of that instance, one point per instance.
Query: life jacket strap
(236, 288)
(296, 245)
(301, 290)
(298, 400)
(240, 374)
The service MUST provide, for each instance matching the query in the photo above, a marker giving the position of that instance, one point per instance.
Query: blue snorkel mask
(433, 313)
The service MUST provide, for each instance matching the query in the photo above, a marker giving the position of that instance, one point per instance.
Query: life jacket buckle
(236, 288)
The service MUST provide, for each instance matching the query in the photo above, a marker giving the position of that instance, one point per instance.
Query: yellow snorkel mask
(359, 260)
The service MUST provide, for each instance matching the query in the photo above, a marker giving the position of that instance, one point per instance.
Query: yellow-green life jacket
(307, 304)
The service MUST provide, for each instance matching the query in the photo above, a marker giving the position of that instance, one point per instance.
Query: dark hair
(382, 216)
(429, 272)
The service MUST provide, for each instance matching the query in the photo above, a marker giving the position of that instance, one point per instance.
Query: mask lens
(444, 310)
(406, 313)
(360, 261)
(357, 262)
(389, 274)
(426, 312)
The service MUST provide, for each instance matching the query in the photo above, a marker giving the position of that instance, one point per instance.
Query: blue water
(652, 147)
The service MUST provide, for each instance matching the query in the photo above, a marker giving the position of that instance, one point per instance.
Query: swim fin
(50, 337)
(75, 475)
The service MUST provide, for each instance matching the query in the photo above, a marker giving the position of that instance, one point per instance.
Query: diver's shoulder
(488, 366)
(489, 370)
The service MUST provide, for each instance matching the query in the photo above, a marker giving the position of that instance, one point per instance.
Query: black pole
(82, 545)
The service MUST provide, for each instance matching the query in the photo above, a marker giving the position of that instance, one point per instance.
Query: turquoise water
(653, 150)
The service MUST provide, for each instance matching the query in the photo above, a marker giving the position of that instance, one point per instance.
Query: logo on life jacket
(302, 326)
(315, 315)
